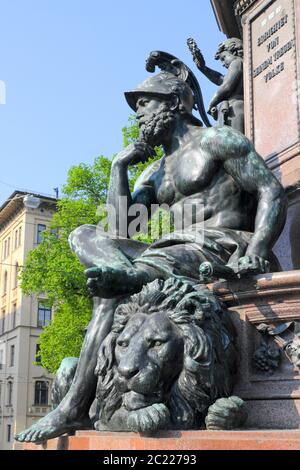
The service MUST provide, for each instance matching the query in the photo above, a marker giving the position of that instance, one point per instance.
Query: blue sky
(66, 64)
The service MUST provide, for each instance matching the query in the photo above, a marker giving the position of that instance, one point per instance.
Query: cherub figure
(227, 104)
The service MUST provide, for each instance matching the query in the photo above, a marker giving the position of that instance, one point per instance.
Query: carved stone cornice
(241, 6)
(228, 22)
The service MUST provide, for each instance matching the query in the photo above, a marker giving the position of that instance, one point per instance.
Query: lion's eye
(123, 344)
(156, 344)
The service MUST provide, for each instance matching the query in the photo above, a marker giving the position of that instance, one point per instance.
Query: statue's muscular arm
(250, 172)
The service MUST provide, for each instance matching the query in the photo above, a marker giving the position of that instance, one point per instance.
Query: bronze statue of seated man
(242, 209)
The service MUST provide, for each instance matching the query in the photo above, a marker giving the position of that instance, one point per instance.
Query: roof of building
(228, 22)
(14, 203)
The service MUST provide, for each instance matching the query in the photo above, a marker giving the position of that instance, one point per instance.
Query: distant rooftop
(14, 203)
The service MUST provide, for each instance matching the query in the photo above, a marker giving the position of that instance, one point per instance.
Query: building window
(41, 393)
(1, 361)
(14, 316)
(54, 231)
(6, 249)
(8, 432)
(40, 229)
(16, 274)
(12, 356)
(5, 283)
(20, 236)
(9, 393)
(16, 239)
(3, 321)
(44, 315)
(38, 359)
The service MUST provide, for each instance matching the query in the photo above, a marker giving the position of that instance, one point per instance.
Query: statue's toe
(36, 436)
(29, 435)
(20, 437)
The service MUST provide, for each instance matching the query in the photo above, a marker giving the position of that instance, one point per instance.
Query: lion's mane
(209, 361)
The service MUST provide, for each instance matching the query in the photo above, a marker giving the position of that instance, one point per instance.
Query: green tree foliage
(53, 269)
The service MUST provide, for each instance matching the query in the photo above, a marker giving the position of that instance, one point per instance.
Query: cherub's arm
(215, 77)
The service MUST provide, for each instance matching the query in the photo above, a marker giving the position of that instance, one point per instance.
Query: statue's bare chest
(183, 176)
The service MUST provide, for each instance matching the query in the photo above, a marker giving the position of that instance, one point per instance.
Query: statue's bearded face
(156, 119)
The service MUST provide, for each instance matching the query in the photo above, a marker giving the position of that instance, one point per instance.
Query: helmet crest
(175, 78)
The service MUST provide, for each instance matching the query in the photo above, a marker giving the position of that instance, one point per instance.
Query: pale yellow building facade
(24, 386)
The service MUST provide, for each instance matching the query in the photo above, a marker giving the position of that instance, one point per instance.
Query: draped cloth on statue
(178, 254)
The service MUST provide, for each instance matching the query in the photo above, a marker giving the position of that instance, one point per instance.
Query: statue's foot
(108, 282)
(226, 413)
(53, 425)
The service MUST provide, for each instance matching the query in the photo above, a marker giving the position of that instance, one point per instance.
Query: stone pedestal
(287, 248)
(175, 440)
(273, 399)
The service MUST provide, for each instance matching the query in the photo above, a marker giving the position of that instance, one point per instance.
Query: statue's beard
(155, 130)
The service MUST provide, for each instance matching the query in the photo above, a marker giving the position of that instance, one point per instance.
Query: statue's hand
(251, 264)
(197, 54)
(199, 60)
(138, 152)
(93, 278)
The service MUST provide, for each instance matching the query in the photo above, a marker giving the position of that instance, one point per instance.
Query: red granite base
(176, 440)
(273, 400)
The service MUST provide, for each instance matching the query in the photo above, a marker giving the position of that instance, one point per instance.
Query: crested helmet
(165, 85)
(175, 78)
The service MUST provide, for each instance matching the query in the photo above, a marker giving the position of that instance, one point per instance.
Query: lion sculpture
(167, 361)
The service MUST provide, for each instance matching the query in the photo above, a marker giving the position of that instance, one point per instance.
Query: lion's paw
(226, 413)
(150, 419)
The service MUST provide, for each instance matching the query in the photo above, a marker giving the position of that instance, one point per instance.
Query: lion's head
(169, 356)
